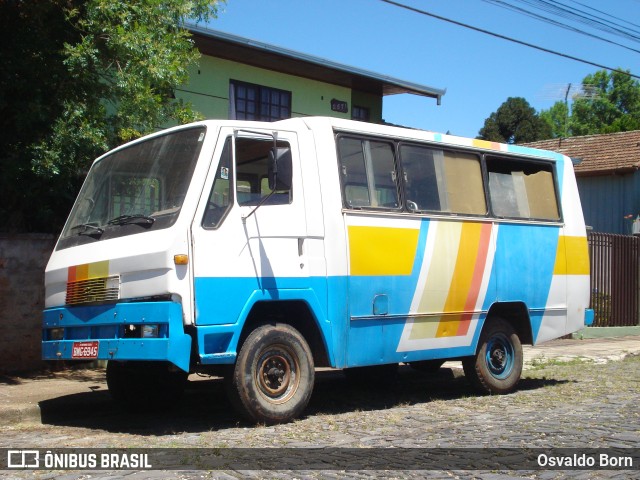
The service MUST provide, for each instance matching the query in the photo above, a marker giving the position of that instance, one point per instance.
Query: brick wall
(23, 259)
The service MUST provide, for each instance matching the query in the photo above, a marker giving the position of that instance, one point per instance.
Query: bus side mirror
(280, 169)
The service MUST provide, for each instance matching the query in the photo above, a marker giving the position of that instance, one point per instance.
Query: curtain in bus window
(522, 190)
(465, 191)
(542, 196)
(442, 181)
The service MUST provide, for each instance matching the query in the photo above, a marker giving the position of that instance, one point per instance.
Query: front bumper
(115, 328)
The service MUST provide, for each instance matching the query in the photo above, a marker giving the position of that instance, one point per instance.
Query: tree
(515, 121)
(612, 105)
(558, 119)
(615, 107)
(81, 77)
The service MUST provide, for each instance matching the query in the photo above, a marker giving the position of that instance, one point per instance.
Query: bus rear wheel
(274, 375)
(497, 365)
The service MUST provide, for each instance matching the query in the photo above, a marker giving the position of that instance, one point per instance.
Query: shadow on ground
(205, 406)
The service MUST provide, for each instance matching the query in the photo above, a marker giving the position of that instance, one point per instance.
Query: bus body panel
(382, 286)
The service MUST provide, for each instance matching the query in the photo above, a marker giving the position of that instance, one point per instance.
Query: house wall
(208, 90)
(607, 199)
(23, 259)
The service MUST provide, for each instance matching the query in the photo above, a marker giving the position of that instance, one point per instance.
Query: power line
(580, 16)
(504, 37)
(557, 23)
(605, 13)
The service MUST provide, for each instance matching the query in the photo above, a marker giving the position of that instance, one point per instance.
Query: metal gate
(615, 279)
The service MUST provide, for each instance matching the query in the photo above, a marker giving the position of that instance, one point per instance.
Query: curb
(20, 414)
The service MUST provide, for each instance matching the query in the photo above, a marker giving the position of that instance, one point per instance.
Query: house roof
(231, 47)
(606, 154)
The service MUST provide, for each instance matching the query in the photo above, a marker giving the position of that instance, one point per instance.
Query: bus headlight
(56, 334)
(150, 331)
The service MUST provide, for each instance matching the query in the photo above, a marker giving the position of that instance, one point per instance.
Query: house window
(360, 113)
(248, 101)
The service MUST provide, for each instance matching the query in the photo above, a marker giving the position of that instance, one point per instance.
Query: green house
(240, 78)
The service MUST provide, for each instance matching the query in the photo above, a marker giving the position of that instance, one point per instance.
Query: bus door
(249, 233)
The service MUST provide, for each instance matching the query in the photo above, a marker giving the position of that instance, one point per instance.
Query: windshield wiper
(129, 219)
(88, 229)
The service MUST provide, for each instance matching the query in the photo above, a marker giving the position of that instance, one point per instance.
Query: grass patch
(543, 362)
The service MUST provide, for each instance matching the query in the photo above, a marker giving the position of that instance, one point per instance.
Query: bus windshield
(138, 188)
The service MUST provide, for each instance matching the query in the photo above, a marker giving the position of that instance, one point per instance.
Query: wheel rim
(277, 374)
(500, 356)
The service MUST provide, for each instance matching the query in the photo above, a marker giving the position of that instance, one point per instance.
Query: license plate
(85, 350)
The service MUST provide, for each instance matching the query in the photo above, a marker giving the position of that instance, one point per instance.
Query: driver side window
(221, 196)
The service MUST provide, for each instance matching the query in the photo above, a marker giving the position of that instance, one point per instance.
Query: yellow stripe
(572, 256)
(424, 327)
(486, 144)
(441, 267)
(92, 270)
(382, 251)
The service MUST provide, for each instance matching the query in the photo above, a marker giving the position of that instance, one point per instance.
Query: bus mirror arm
(279, 168)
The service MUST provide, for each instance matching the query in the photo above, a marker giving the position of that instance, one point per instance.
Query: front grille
(93, 290)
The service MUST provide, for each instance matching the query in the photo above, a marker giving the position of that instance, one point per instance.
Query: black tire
(273, 376)
(497, 366)
(427, 366)
(145, 385)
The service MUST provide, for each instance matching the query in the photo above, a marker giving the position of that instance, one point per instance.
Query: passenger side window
(522, 190)
(438, 180)
(368, 173)
(252, 172)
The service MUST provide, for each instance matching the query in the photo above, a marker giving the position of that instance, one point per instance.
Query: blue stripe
(523, 267)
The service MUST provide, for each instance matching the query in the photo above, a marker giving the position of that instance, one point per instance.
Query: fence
(615, 279)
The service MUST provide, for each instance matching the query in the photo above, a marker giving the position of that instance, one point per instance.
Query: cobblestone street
(559, 404)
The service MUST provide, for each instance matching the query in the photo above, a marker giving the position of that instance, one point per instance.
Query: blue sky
(479, 71)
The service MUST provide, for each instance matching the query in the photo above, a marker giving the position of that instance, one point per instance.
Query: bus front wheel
(497, 365)
(273, 377)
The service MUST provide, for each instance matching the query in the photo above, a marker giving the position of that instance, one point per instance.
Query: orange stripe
(82, 272)
(478, 271)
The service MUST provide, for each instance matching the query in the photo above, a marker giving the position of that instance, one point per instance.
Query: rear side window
(438, 180)
(522, 189)
(368, 173)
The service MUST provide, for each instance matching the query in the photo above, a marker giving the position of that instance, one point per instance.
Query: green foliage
(78, 78)
(558, 119)
(515, 121)
(613, 105)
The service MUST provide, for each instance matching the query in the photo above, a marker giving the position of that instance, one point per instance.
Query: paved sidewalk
(26, 399)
